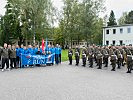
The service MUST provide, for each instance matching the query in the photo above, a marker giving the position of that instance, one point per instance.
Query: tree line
(35, 19)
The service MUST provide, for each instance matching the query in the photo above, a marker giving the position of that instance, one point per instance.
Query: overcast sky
(118, 6)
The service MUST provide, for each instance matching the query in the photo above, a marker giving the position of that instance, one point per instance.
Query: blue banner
(27, 59)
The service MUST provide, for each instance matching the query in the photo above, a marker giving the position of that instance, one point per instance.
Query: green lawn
(65, 55)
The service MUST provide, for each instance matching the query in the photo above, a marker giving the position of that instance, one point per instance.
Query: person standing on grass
(70, 54)
(5, 57)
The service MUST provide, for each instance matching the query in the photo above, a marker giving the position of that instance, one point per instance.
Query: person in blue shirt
(25, 50)
(60, 50)
(53, 54)
(21, 51)
(41, 51)
(57, 50)
(35, 50)
(17, 55)
(30, 50)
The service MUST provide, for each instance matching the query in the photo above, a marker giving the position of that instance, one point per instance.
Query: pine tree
(112, 20)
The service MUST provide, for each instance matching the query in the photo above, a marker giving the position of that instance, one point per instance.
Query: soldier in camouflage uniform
(77, 55)
(91, 56)
(119, 56)
(84, 56)
(99, 58)
(123, 52)
(129, 60)
(105, 53)
(113, 58)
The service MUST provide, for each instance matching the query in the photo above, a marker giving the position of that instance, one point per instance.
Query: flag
(46, 44)
(43, 45)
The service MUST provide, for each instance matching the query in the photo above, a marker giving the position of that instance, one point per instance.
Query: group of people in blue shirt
(17, 52)
(48, 50)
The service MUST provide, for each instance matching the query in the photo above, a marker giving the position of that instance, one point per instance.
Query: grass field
(65, 55)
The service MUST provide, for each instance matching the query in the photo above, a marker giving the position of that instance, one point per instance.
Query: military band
(116, 56)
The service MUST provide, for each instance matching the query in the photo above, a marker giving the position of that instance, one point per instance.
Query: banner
(27, 59)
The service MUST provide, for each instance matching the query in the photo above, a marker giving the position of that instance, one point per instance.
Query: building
(81, 44)
(30, 42)
(118, 35)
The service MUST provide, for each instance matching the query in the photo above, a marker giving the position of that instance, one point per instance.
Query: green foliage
(122, 19)
(80, 19)
(25, 18)
(129, 18)
(112, 20)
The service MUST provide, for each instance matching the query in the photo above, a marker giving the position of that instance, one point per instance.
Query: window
(121, 30)
(107, 31)
(113, 42)
(129, 30)
(121, 42)
(114, 31)
(107, 42)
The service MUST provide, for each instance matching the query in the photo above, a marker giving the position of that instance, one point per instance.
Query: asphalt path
(65, 82)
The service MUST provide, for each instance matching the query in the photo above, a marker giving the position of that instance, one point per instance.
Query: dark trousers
(13, 62)
(5, 61)
(57, 58)
(91, 62)
(84, 61)
(119, 62)
(129, 66)
(17, 60)
(77, 60)
(95, 58)
(113, 64)
(106, 62)
(99, 62)
(70, 60)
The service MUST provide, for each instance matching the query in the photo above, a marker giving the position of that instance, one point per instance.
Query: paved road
(66, 82)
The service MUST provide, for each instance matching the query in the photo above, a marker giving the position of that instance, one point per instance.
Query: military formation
(10, 55)
(116, 56)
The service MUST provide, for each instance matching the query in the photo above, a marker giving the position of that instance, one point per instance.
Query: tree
(112, 20)
(129, 18)
(27, 20)
(122, 19)
(79, 19)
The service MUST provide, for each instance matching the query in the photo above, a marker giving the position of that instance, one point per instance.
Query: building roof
(118, 26)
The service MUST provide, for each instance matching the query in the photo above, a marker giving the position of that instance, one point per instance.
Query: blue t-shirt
(17, 52)
(57, 50)
(21, 51)
(35, 50)
(30, 51)
(60, 50)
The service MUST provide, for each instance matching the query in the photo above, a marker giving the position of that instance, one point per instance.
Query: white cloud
(2, 5)
(119, 6)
